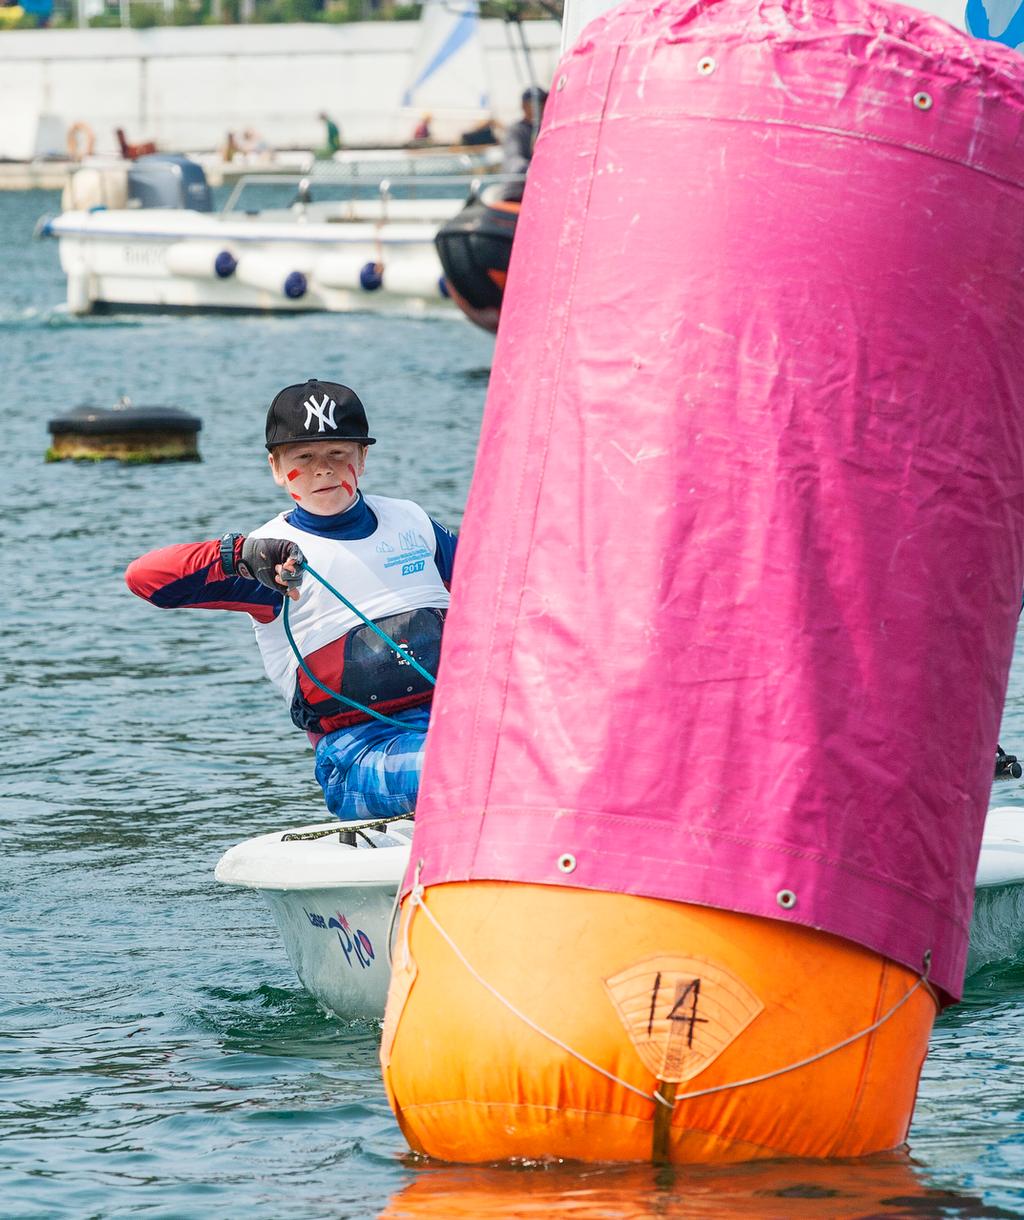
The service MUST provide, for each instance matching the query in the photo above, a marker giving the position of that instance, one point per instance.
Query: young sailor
(390, 560)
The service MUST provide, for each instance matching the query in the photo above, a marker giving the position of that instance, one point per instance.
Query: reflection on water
(883, 1186)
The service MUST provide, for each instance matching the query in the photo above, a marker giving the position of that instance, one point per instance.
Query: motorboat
(354, 231)
(475, 247)
(147, 237)
(332, 889)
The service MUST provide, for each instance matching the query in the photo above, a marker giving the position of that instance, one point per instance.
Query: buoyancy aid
(393, 578)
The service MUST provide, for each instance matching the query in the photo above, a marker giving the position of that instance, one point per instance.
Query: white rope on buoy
(416, 902)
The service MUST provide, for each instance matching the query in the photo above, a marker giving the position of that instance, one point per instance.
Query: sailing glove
(260, 558)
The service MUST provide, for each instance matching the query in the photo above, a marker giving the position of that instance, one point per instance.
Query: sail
(999, 20)
(447, 71)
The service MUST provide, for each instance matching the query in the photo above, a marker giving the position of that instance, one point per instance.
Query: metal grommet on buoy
(563, 80)
(786, 899)
(124, 433)
(923, 100)
(706, 65)
(566, 862)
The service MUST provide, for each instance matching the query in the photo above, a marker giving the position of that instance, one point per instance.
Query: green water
(157, 1055)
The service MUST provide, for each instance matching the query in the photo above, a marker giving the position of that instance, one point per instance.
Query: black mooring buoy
(124, 433)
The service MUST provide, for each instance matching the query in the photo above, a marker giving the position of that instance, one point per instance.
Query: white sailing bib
(391, 571)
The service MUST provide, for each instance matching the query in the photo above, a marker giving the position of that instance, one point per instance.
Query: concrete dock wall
(186, 87)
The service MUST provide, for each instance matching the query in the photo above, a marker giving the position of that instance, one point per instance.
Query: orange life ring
(81, 141)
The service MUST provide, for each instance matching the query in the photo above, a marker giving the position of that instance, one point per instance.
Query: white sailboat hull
(333, 904)
(336, 943)
(997, 928)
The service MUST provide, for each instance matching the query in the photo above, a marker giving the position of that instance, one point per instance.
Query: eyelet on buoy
(566, 862)
(922, 100)
(706, 65)
(786, 899)
(563, 80)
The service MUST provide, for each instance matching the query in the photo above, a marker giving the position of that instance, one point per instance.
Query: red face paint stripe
(294, 474)
(294, 496)
(352, 471)
(346, 486)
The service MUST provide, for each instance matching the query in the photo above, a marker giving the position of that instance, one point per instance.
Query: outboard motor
(474, 248)
(167, 181)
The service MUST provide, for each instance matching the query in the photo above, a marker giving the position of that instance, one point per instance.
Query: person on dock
(517, 150)
(254, 147)
(484, 132)
(332, 134)
(392, 562)
(421, 132)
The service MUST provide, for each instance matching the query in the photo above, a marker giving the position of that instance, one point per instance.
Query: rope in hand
(391, 643)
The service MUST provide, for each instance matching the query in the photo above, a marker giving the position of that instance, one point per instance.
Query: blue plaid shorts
(373, 770)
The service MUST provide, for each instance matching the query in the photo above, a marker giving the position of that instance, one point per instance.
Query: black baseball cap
(317, 411)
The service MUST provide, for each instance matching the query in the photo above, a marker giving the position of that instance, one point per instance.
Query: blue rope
(372, 625)
(360, 707)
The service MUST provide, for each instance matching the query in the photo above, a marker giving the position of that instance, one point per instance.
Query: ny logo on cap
(323, 411)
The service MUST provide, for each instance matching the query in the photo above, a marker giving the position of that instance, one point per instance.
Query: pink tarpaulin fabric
(739, 577)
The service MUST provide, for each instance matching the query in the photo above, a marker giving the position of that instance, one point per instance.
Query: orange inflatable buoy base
(656, 995)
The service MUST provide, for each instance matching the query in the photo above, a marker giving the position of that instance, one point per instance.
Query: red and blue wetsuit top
(400, 578)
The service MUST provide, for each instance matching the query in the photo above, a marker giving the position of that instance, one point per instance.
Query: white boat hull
(334, 904)
(997, 927)
(337, 946)
(293, 261)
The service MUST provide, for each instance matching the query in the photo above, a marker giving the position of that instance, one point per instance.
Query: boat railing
(483, 182)
(398, 162)
(248, 180)
(384, 190)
